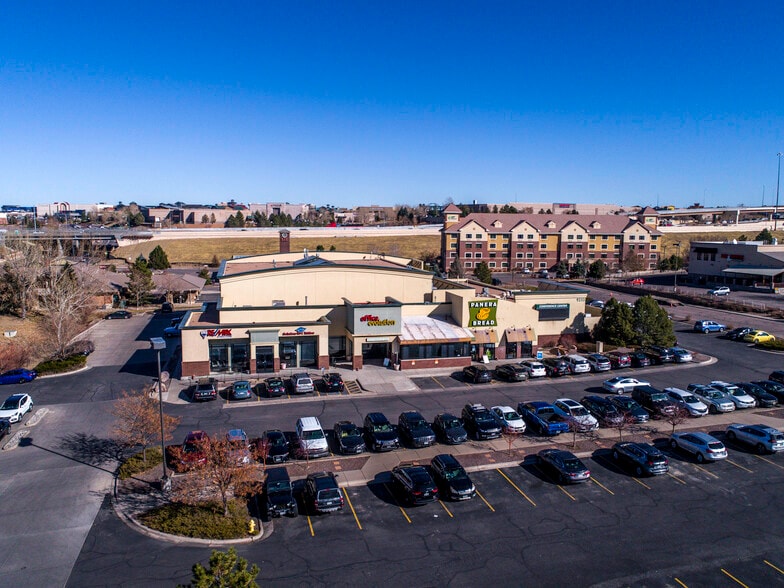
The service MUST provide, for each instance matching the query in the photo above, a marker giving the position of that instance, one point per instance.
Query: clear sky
(391, 102)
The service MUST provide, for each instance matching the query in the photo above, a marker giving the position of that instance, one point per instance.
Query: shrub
(13, 355)
(204, 521)
(776, 345)
(136, 464)
(60, 366)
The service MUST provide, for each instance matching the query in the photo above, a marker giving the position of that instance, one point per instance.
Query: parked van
(578, 364)
(310, 438)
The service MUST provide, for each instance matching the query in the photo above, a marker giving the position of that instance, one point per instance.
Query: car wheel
(700, 458)
(615, 455)
(721, 330)
(561, 479)
(713, 410)
(761, 448)
(638, 471)
(674, 444)
(731, 435)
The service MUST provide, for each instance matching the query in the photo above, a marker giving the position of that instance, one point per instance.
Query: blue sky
(386, 103)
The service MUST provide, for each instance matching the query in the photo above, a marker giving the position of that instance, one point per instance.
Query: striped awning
(485, 336)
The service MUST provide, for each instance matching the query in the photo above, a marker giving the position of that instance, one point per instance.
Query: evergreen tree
(205, 219)
(652, 326)
(508, 209)
(212, 218)
(140, 282)
(332, 248)
(158, 259)
(765, 236)
(239, 220)
(456, 269)
(597, 270)
(226, 570)
(615, 327)
(482, 273)
(578, 269)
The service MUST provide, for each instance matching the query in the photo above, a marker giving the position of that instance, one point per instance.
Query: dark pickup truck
(543, 418)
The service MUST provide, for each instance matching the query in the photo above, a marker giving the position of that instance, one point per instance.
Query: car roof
(277, 474)
(568, 401)
(701, 435)
(377, 417)
(504, 408)
(447, 459)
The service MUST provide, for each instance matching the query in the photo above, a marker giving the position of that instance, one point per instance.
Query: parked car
(449, 429)
(311, 441)
(194, 449)
(716, 400)
(720, 291)
(773, 388)
(535, 369)
(578, 415)
(619, 359)
(604, 411)
(239, 450)
(380, 435)
(415, 430)
(621, 384)
(18, 376)
(687, 401)
(644, 458)
(451, 478)
(167, 307)
(480, 422)
(681, 355)
(5, 427)
(598, 362)
(172, 331)
(278, 493)
(477, 374)
(658, 354)
(240, 390)
(414, 484)
(322, 493)
(758, 337)
(639, 359)
(271, 387)
(555, 367)
(637, 282)
(543, 418)
(738, 396)
(348, 438)
(596, 303)
(273, 446)
(656, 402)
(511, 422)
(764, 399)
(703, 446)
(565, 465)
(302, 384)
(630, 408)
(205, 390)
(763, 438)
(777, 376)
(81, 347)
(709, 327)
(737, 334)
(118, 314)
(332, 382)
(577, 364)
(511, 372)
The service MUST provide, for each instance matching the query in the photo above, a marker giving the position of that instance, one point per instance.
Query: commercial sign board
(376, 320)
(553, 312)
(299, 331)
(220, 333)
(482, 313)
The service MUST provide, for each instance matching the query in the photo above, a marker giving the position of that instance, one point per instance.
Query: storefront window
(511, 350)
(307, 353)
(229, 357)
(219, 356)
(337, 347)
(434, 351)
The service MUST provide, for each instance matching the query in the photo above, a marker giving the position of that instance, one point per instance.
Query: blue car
(240, 390)
(19, 376)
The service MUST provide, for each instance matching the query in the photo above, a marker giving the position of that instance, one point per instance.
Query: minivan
(578, 364)
(311, 440)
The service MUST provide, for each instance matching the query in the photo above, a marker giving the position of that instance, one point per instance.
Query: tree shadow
(95, 457)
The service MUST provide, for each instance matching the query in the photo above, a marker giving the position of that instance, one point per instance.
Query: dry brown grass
(30, 336)
(202, 251)
(668, 240)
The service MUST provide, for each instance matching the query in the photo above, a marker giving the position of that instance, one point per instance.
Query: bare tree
(26, 261)
(579, 429)
(676, 417)
(624, 423)
(510, 437)
(138, 421)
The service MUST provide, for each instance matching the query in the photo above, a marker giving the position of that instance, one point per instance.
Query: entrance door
(288, 353)
(307, 353)
(265, 359)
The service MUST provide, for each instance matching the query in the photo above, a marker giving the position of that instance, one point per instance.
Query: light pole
(778, 182)
(158, 344)
(677, 245)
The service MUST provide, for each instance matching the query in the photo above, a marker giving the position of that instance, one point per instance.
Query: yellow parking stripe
(451, 516)
(351, 506)
(680, 583)
(479, 494)
(523, 494)
(602, 486)
(397, 503)
(641, 483)
(779, 570)
(312, 534)
(731, 577)
(737, 465)
(676, 478)
(437, 382)
(702, 469)
(773, 463)
(566, 492)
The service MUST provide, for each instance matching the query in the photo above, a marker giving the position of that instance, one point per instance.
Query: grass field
(203, 251)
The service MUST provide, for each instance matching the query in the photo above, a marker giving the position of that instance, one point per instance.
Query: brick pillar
(356, 362)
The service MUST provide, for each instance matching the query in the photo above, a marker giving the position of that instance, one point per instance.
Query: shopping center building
(287, 310)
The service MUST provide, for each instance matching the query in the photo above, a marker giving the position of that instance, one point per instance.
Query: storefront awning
(485, 336)
(519, 335)
(424, 329)
(754, 271)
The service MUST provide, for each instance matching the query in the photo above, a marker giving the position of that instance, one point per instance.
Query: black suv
(643, 457)
(452, 478)
(322, 493)
(273, 447)
(205, 390)
(380, 435)
(654, 401)
(415, 484)
(602, 410)
(478, 374)
(449, 429)
(511, 372)
(777, 376)
(414, 429)
(481, 422)
(348, 438)
(278, 495)
(332, 382)
(630, 408)
(659, 354)
(555, 366)
(271, 387)
(764, 398)
(771, 387)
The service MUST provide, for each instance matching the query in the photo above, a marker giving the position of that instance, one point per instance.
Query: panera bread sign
(481, 313)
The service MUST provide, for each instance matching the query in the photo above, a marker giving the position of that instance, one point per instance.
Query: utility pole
(778, 182)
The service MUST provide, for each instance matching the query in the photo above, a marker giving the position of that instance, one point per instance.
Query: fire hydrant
(251, 527)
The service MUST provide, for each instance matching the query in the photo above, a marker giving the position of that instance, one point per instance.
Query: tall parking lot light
(776, 208)
(158, 344)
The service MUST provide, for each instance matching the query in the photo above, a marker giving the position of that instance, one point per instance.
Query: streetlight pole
(778, 182)
(677, 245)
(158, 344)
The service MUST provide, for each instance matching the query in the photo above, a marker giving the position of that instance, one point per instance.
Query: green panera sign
(481, 313)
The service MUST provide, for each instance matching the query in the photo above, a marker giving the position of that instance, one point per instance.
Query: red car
(637, 282)
(193, 448)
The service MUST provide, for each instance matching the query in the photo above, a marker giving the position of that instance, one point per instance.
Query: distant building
(744, 264)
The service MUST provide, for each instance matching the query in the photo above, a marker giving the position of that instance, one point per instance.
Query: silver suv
(302, 384)
(761, 437)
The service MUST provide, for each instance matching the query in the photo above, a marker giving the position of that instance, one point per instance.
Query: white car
(621, 384)
(584, 420)
(762, 437)
(720, 291)
(702, 445)
(15, 407)
(511, 422)
(737, 395)
(688, 401)
(535, 369)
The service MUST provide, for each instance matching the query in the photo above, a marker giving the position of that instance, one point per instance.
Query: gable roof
(610, 223)
(452, 207)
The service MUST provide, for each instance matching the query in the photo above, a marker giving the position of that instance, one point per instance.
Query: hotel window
(604, 237)
(542, 264)
(491, 264)
(519, 245)
(468, 245)
(543, 255)
(492, 245)
(467, 264)
(604, 256)
(530, 237)
(617, 246)
(570, 246)
(505, 245)
(569, 255)
(543, 246)
(492, 256)
(604, 245)
(469, 236)
(579, 237)
(453, 254)
(570, 237)
(641, 238)
(478, 255)
(529, 255)
(504, 264)
(578, 255)
(469, 255)
(530, 246)
(631, 237)
(519, 256)
(591, 246)
(520, 237)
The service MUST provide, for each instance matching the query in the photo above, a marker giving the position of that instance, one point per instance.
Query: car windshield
(452, 473)
(310, 435)
(737, 392)
(190, 447)
(279, 486)
(451, 424)
(573, 465)
(484, 417)
(579, 411)
(712, 394)
(382, 428)
(626, 403)
(277, 441)
(10, 404)
(345, 433)
(420, 477)
(690, 399)
(659, 397)
(511, 416)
